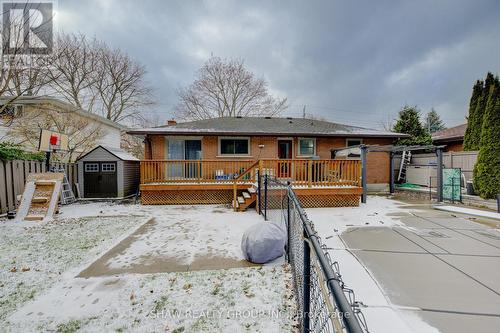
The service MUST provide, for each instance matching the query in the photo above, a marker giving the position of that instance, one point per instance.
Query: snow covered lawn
(34, 256)
(147, 268)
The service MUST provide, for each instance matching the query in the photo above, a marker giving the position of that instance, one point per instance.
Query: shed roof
(265, 126)
(450, 134)
(118, 153)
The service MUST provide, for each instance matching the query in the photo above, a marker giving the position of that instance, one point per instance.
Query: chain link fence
(324, 302)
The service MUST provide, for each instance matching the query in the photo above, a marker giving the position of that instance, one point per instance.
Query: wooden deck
(318, 183)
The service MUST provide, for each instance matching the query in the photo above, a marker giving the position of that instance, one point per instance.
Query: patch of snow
(185, 233)
(376, 212)
(470, 211)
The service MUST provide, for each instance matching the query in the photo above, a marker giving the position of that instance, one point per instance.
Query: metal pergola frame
(394, 150)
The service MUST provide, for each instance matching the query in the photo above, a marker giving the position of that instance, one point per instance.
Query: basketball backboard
(50, 141)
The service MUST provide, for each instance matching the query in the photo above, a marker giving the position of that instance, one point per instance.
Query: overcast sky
(352, 62)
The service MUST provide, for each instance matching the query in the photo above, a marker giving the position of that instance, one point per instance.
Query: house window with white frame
(234, 146)
(307, 146)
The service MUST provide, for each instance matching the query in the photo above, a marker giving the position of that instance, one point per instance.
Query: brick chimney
(171, 122)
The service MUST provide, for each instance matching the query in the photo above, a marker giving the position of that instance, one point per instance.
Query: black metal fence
(324, 302)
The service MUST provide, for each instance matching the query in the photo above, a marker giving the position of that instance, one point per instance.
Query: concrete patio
(440, 266)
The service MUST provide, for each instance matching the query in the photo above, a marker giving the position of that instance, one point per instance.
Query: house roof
(118, 153)
(33, 100)
(450, 134)
(265, 126)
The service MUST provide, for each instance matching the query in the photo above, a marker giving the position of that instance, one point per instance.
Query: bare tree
(225, 88)
(121, 86)
(388, 123)
(73, 70)
(94, 77)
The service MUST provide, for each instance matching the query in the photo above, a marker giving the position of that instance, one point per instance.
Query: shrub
(12, 151)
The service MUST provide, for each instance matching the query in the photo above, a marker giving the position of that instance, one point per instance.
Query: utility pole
(304, 112)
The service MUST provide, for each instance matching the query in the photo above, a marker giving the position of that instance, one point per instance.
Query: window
(108, 167)
(353, 142)
(307, 147)
(234, 146)
(92, 167)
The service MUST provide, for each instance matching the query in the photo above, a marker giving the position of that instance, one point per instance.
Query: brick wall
(377, 162)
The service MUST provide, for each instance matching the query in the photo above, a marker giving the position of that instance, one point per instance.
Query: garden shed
(107, 172)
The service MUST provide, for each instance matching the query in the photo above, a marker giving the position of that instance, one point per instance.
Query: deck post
(363, 172)
(391, 173)
(199, 171)
(309, 173)
(439, 153)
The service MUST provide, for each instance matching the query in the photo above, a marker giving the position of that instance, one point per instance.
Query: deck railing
(191, 171)
(309, 173)
(300, 172)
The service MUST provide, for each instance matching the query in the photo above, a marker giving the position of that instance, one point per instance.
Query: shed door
(100, 179)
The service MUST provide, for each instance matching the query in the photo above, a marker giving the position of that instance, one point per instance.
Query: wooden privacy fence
(464, 160)
(309, 173)
(13, 176)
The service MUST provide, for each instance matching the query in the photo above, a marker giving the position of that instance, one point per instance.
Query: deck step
(45, 182)
(40, 199)
(246, 195)
(252, 190)
(241, 200)
(33, 217)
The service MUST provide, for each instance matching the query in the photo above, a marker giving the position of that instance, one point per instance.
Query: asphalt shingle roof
(265, 126)
(451, 133)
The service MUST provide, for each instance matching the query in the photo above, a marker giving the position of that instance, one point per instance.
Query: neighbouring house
(452, 138)
(24, 116)
(107, 172)
(217, 160)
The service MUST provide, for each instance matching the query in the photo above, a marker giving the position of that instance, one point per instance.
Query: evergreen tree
(487, 168)
(475, 120)
(471, 140)
(409, 123)
(433, 122)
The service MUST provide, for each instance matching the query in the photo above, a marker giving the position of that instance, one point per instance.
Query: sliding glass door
(180, 149)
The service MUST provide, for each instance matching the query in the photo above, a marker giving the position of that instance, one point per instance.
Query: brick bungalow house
(187, 162)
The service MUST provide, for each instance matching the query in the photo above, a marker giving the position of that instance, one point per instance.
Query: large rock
(263, 242)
